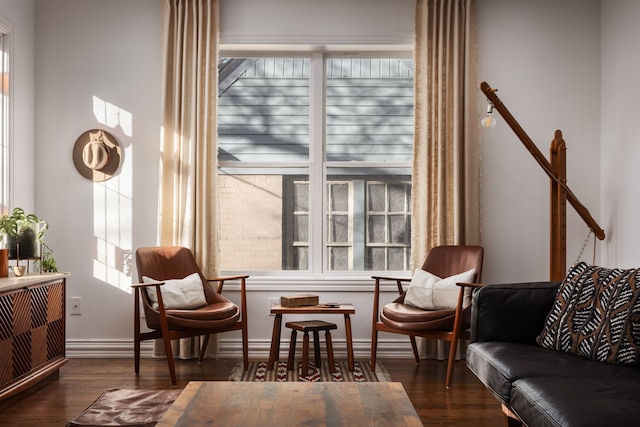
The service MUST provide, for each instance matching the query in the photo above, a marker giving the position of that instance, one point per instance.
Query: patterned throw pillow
(596, 315)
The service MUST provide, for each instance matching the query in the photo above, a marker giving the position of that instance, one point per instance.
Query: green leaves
(17, 221)
(20, 229)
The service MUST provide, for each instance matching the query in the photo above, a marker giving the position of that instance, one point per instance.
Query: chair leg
(316, 349)
(136, 355)
(292, 351)
(245, 345)
(164, 327)
(374, 347)
(452, 360)
(332, 363)
(169, 351)
(203, 347)
(414, 347)
(305, 355)
(136, 331)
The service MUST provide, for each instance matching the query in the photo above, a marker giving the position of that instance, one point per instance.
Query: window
(5, 120)
(315, 163)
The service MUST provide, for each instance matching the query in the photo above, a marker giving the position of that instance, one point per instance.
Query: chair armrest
(218, 279)
(471, 285)
(144, 285)
(399, 281)
(511, 312)
(221, 281)
(376, 293)
(157, 284)
(161, 310)
(243, 292)
(402, 279)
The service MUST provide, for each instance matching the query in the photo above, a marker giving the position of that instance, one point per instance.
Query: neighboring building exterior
(268, 153)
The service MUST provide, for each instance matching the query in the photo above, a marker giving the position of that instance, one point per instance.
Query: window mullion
(317, 180)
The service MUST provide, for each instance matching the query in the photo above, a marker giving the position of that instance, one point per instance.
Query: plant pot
(28, 241)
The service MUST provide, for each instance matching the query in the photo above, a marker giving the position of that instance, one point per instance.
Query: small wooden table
(229, 403)
(278, 310)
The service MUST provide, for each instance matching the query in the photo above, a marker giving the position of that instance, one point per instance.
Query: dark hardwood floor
(81, 381)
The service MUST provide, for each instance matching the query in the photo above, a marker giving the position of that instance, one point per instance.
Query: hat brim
(111, 144)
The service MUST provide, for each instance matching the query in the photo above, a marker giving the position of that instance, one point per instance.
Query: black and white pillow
(596, 315)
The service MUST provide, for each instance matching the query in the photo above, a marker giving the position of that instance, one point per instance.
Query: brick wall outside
(251, 222)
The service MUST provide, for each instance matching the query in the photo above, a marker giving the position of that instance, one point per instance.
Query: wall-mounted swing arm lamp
(560, 192)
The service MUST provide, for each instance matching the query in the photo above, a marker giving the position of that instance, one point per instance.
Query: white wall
(620, 146)
(544, 57)
(98, 65)
(316, 22)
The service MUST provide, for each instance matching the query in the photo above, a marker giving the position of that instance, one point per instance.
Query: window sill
(307, 283)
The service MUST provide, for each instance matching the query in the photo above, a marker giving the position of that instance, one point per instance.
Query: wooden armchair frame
(451, 334)
(167, 332)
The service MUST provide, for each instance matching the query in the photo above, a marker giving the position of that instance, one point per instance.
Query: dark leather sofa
(537, 386)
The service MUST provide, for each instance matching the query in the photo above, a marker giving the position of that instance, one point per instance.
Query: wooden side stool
(310, 326)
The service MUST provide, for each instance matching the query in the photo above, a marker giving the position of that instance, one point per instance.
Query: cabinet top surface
(12, 283)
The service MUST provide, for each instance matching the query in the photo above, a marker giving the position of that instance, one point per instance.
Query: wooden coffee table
(278, 310)
(230, 403)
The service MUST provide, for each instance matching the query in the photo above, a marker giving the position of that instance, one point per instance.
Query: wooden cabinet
(32, 330)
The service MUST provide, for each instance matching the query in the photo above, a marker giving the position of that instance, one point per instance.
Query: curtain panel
(446, 156)
(446, 153)
(189, 203)
(188, 179)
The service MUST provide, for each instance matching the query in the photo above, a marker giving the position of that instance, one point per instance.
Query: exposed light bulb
(488, 121)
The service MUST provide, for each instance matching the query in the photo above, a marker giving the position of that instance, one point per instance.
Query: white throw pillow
(430, 292)
(178, 294)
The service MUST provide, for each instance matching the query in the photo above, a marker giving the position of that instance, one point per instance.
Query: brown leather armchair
(217, 315)
(449, 325)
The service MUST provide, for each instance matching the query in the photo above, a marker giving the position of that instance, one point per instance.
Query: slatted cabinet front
(32, 333)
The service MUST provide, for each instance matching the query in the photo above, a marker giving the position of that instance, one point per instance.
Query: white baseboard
(232, 348)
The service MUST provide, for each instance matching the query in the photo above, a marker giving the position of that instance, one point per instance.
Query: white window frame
(317, 273)
(6, 120)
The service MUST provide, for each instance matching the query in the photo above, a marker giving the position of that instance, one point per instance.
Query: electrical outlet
(272, 302)
(76, 305)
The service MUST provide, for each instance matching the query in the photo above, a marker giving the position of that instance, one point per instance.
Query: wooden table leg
(347, 328)
(332, 364)
(316, 349)
(274, 353)
(305, 355)
(292, 350)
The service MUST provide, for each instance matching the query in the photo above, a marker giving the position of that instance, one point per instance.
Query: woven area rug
(362, 373)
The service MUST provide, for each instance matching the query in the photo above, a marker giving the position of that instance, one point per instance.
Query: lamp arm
(539, 157)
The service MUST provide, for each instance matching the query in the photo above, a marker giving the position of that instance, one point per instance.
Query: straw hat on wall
(96, 155)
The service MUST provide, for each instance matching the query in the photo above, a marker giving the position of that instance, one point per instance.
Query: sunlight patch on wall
(112, 116)
(113, 207)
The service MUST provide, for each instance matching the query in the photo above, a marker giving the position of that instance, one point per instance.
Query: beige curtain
(188, 191)
(446, 157)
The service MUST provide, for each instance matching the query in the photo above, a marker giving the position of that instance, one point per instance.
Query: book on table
(299, 300)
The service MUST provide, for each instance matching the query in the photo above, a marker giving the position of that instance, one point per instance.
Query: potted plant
(22, 232)
(48, 262)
